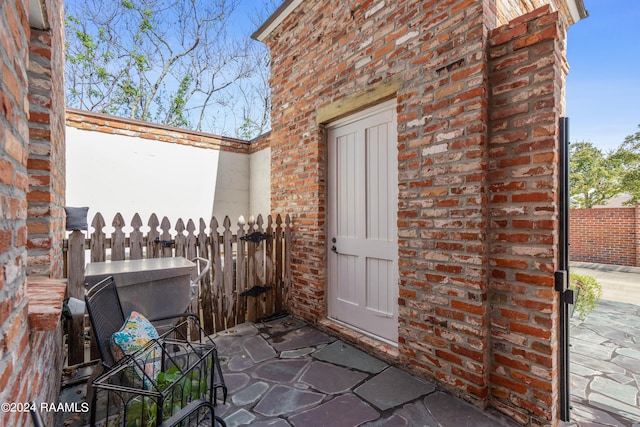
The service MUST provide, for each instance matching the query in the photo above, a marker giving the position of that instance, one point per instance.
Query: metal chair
(107, 317)
(105, 313)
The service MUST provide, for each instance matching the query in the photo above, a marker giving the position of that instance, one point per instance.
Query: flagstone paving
(605, 367)
(286, 373)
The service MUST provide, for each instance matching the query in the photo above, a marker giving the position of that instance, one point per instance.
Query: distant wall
(605, 235)
(120, 165)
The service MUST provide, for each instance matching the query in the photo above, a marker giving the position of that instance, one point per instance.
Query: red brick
(510, 263)
(549, 33)
(469, 308)
(533, 197)
(515, 315)
(39, 117)
(468, 375)
(530, 330)
(532, 381)
(536, 306)
(518, 387)
(535, 279)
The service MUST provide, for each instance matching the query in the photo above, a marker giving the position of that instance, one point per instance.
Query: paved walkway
(605, 366)
(605, 352)
(619, 283)
(285, 373)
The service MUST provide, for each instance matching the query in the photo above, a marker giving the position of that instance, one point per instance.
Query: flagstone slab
(278, 422)
(611, 405)
(579, 386)
(447, 410)
(587, 335)
(236, 381)
(622, 379)
(228, 345)
(300, 338)
(629, 352)
(393, 387)
(280, 371)
(629, 363)
(239, 362)
(250, 394)
(621, 392)
(331, 379)
(599, 351)
(281, 326)
(296, 354)
(595, 416)
(343, 354)
(259, 349)
(241, 417)
(583, 371)
(605, 366)
(282, 399)
(394, 420)
(343, 411)
(417, 414)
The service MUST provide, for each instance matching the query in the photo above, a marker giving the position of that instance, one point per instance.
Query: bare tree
(173, 62)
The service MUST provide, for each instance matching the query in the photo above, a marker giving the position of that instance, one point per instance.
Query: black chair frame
(107, 317)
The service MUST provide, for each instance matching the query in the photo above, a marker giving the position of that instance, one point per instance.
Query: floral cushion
(136, 332)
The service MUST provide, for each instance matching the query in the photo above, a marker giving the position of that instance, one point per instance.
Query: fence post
(75, 289)
(208, 322)
(278, 282)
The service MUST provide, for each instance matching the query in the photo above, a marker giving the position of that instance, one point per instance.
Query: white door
(363, 204)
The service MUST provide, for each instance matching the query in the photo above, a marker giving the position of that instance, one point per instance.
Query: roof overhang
(38, 15)
(275, 19)
(577, 10)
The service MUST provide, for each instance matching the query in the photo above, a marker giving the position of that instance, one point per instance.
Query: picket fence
(238, 264)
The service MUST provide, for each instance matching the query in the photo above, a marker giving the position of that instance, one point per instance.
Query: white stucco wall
(116, 173)
(260, 178)
(231, 187)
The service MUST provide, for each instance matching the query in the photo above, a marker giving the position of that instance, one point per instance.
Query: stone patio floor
(605, 367)
(287, 373)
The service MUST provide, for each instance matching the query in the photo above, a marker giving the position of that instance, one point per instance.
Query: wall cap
(45, 297)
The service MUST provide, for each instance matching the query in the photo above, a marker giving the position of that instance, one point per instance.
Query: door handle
(334, 250)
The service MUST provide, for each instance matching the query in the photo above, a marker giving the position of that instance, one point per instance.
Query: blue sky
(603, 85)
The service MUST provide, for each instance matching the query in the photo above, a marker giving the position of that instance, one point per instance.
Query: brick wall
(14, 338)
(46, 162)
(477, 212)
(526, 76)
(91, 121)
(605, 235)
(30, 351)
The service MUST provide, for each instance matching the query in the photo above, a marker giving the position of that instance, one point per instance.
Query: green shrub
(588, 292)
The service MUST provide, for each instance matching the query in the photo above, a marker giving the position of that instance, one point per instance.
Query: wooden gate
(237, 264)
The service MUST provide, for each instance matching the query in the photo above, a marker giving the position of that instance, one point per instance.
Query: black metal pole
(562, 275)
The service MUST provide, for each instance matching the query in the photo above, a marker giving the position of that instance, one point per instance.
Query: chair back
(106, 316)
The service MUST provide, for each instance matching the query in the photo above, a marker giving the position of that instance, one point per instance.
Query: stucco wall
(260, 187)
(115, 165)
